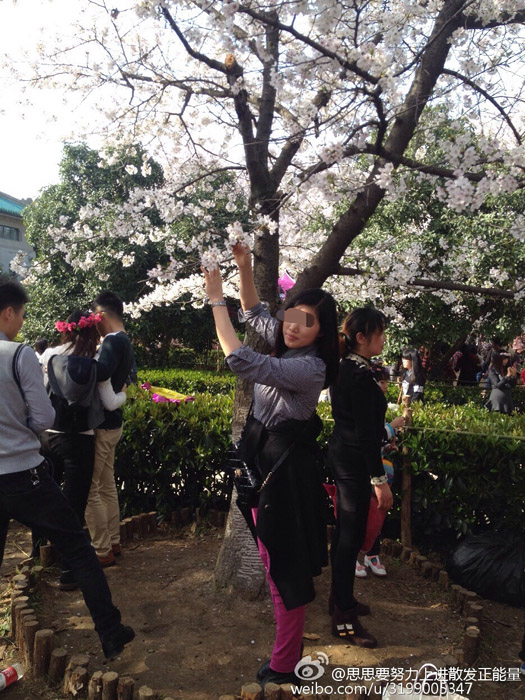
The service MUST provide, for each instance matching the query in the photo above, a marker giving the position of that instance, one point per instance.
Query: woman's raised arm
(248, 293)
(225, 331)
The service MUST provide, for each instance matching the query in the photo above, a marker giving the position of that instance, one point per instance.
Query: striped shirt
(285, 387)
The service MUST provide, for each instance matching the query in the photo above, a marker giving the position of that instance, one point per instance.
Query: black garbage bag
(492, 565)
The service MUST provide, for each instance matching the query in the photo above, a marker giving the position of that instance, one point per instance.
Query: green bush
(173, 456)
(467, 474)
(190, 381)
(449, 395)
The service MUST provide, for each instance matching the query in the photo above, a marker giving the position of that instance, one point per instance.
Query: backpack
(72, 389)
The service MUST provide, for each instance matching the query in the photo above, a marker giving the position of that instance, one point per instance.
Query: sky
(31, 144)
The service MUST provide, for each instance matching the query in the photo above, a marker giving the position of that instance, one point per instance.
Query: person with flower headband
(79, 389)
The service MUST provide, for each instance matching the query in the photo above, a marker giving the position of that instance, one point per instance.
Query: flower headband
(83, 322)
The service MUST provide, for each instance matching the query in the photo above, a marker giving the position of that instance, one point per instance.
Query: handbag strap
(16, 375)
(285, 454)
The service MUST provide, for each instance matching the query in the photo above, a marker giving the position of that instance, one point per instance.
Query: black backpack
(72, 389)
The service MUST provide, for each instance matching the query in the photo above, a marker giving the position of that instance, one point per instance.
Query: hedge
(198, 381)
(173, 456)
(190, 381)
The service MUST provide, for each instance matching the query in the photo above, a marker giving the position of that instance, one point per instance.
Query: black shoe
(67, 581)
(266, 667)
(263, 671)
(278, 678)
(113, 644)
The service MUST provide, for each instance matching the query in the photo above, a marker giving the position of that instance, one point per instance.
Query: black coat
(358, 408)
(291, 513)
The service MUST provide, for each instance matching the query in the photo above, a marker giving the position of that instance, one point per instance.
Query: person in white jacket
(70, 443)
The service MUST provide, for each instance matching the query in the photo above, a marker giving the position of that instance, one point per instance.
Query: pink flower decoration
(146, 385)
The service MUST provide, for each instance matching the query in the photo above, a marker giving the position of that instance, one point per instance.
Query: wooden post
(287, 692)
(251, 691)
(15, 617)
(471, 645)
(74, 662)
(42, 652)
(405, 554)
(23, 615)
(144, 521)
(443, 579)
(426, 569)
(396, 548)
(129, 528)
(123, 532)
(78, 683)
(153, 520)
(125, 688)
(406, 483)
(135, 524)
(95, 686)
(109, 685)
(272, 691)
(30, 628)
(57, 664)
(35, 575)
(146, 693)
(48, 555)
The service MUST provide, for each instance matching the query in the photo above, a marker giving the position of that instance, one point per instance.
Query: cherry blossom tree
(295, 99)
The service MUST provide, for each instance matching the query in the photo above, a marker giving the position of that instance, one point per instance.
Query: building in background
(12, 230)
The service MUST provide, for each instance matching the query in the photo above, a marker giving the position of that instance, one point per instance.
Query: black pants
(73, 458)
(353, 502)
(34, 499)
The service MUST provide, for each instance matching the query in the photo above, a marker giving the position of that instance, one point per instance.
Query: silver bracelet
(217, 303)
(379, 480)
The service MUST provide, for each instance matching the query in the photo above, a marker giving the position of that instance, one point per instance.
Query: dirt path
(195, 643)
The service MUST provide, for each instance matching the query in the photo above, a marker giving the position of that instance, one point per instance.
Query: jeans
(34, 499)
(353, 502)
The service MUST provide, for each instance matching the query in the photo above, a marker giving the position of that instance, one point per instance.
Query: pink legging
(290, 623)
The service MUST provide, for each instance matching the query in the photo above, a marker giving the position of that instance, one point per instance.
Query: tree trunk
(238, 566)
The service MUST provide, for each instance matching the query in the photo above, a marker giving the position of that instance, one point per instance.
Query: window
(10, 233)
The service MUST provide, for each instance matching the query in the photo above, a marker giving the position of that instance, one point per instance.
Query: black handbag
(247, 475)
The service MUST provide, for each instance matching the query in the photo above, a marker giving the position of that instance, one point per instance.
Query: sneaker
(360, 570)
(108, 560)
(373, 563)
(113, 644)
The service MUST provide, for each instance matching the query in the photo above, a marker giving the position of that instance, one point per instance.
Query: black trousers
(73, 458)
(353, 502)
(34, 499)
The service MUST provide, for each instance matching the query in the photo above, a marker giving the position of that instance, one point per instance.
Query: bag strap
(285, 454)
(16, 375)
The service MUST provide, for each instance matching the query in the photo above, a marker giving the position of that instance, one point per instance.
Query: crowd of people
(61, 411)
(64, 423)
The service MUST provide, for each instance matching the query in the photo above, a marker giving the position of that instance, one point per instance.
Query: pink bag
(374, 524)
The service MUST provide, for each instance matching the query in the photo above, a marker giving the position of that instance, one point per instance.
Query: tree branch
(487, 96)
(471, 22)
(211, 62)
(349, 65)
(438, 284)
